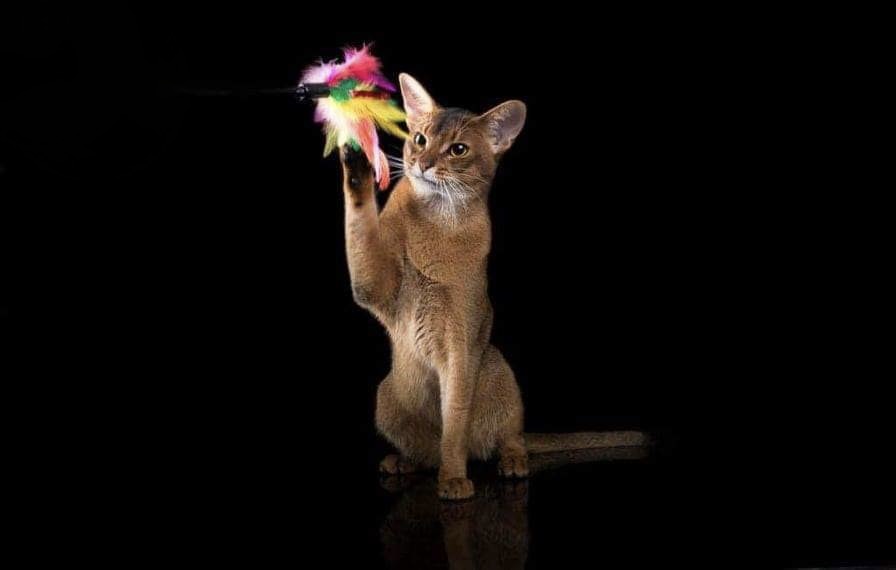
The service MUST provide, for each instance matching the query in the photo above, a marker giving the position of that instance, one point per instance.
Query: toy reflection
(490, 530)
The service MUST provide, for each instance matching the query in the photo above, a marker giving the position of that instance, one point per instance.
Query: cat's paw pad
(516, 466)
(455, 489)
(395, 464)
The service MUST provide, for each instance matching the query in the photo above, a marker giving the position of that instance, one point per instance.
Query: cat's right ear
(417, 102)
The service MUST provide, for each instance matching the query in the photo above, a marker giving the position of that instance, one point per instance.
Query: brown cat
(420, 267)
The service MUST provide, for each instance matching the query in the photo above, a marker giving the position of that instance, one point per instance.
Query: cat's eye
(458, 149)
(419, 140)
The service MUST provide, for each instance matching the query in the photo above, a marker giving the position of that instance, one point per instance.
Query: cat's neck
(440, 215)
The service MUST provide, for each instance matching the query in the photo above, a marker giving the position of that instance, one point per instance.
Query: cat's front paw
(354, 160)
(456, 489)
(356, 168)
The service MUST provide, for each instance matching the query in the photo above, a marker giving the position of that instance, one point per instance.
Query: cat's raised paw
(354, 160)
(455, 489)
(516, 466)
(395, 464)
(357, 170)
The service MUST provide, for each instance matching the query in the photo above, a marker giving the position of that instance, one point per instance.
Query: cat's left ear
(503, 124)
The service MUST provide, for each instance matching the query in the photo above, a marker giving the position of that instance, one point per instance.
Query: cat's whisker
(444, 184)
(460, 185)
(461, 192)
(471, 177)
(465, 190)
(461, 202)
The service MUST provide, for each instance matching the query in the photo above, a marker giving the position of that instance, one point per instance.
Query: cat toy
(353, 99)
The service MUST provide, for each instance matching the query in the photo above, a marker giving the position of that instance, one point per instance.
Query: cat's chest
(424, 311)
(427, 260)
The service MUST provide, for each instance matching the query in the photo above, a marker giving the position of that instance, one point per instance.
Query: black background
(655, 266)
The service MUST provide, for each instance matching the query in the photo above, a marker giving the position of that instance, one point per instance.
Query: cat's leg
(415, 438)
(512, 458)
(457, 374)
(497, 377)
(372, 261)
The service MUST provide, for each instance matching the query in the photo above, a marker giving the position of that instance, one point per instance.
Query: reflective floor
(491, 530)
(256, 502)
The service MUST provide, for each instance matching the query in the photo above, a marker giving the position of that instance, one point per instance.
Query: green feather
(343, 90)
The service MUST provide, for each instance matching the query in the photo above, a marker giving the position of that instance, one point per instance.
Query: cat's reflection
(489, 531)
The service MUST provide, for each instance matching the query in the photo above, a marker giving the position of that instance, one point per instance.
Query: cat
(419, 266)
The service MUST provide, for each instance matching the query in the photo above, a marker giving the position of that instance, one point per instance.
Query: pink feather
(369, 141)
(362, 66)
(359, 64)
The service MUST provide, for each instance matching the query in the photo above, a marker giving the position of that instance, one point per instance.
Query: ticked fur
(419, 266)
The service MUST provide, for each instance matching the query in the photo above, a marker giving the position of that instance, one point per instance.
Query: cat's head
(451, 154)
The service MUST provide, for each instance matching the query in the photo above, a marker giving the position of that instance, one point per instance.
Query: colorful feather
(358, 103)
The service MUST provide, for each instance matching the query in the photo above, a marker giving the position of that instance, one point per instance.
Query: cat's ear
(503, 123)
(417, 102)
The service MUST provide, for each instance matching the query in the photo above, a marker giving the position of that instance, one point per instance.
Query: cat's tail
(553, 442)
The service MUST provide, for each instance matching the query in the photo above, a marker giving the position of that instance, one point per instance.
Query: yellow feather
(330, 144)
(384, 113)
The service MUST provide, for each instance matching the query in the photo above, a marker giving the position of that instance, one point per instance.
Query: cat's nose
(426, 163)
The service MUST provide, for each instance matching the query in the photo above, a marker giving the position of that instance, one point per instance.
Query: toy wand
(353, 98)
(312, 91)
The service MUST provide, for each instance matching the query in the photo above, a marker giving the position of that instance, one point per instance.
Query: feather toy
(353, 99)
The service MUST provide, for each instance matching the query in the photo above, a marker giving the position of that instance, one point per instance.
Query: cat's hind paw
(513, 466)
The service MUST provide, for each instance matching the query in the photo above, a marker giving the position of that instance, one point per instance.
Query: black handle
(312, 91)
